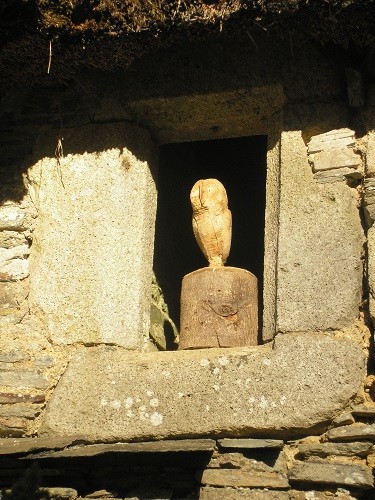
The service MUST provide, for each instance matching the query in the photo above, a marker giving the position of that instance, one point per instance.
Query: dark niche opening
(240, 164)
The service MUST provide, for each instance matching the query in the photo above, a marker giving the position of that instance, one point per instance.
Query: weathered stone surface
(362, 449)
(12, 218)
(59, 493)
(13, 263)
(12, 427)
(369, 201)
(352, 433)
(336, 158)
(91, 260)
(319, 229)
(209, 493)
(186, 445)
(13, 356)
(318, 495)
(370, 154)
(13, 304)
(245, 479)
(250, 443)
(9, 239)
(338, 138)
(337, 175)
(180, 118)
(364, 411)
(239, 461)
(23, 378)
(344, 419)
(27, 410)
(25, 445)
(371, 270)
(100, 494)
(351, 475)
(191, 393)
(11, 398)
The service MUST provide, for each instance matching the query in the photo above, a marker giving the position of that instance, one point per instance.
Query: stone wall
(77, 213)
(337, 464)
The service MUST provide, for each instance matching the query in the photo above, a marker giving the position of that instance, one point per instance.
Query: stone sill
(295, 386)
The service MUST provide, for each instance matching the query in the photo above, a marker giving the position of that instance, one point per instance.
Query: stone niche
(93, 203)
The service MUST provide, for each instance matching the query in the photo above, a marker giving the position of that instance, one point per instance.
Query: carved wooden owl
(212, 220)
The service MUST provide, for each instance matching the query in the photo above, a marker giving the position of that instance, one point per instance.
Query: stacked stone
(332, 156)
(22, 384)
(337, 464)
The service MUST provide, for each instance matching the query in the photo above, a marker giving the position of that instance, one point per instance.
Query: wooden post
(219, 308)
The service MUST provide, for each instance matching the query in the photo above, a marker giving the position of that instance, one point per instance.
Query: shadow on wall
(240, 164)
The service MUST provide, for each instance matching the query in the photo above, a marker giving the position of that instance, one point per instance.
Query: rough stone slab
(344, 419)
(13, 263)
(364, 411)
(352, 433)
(27, 410)
(204, 392)
(351, 475)
(320, 242)
(91, 269)
(251, 443)
(25, 445)
(371, 269)
(23, 379)
(335, 158)
(361, 449)
(11, 398)
(209, 493)
(179, 119)
(245, 479)
(333, 139)
(9, 239)
(183, 445)
(59, 493)
(12, 218)
(12, 427)
(318, 495)
(370, 154)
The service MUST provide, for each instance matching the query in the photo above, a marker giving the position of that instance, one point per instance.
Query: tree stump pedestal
(219, 308)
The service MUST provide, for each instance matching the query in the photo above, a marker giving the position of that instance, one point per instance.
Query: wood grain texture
(219, 308)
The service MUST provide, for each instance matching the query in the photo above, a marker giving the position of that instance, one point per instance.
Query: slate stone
(12, 426)
(10, 398)
(364, 411)
(183, 445)
(355, 432)
(25, 445)
(317, 495)
(350, 475)
(12, 218)
(9, 239)
(59, 493)
(251, 443)
(135, 396)
(27, 410)
(209, 493)
(239, 478)
(361, 449)
(23, 378)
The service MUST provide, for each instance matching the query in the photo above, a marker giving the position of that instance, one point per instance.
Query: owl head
(208, 194)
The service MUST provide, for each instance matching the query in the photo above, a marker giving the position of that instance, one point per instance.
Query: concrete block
(91, 258)
(248, 392)
(319, 273)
